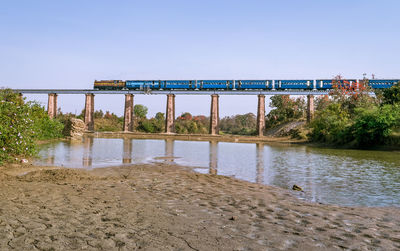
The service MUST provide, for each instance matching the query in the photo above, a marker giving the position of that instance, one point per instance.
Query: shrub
(44, 127)
(331, 125)
(373, 126)
(354, 118)
(21, 124)
(391, 95)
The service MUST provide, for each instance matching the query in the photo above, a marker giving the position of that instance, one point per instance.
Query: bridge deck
(176, 92)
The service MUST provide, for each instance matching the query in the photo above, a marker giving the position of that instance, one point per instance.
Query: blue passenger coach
(177, 84)
(382, 83)
(293, 84)
(216, 84)
(323, 84)
(140, 84)
(253, 84)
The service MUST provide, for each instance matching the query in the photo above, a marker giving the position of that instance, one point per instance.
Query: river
(333, 176)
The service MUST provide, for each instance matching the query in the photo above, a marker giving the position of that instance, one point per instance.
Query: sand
(167, 207)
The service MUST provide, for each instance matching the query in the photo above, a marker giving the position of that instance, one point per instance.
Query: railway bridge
(170, 107)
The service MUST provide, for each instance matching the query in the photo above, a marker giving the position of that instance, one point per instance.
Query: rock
(232, 218)
(297, 188)
(74, 127)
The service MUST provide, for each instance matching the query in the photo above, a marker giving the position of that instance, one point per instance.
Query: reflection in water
(87, 151)
(127, 151)
(213, 157)
(260, 163)
(50, 158)
(344, 177)
(169, 150)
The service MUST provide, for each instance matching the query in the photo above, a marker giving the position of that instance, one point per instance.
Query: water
(333, 176)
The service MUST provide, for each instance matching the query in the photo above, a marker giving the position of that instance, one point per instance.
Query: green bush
(331, 125)
(146, 126)
(357, 119)
(373, 126)
(44, 127)
(391, 95)
(21, 124)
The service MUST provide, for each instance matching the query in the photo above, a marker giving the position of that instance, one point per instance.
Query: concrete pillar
(89, 112)
(261, 115)
(310, 107)
(52, 105)
(128, 113)
(170, 114)
(214, 115)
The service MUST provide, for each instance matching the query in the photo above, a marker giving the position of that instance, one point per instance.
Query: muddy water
(334, 176)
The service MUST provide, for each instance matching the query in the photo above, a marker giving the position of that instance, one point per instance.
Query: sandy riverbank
(165, 207)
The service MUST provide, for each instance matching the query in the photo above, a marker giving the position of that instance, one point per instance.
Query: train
(305, 84)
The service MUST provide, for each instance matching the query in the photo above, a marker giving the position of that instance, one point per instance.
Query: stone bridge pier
(128, 113)
(261, 115)
(89, 112)
(52, 105)
(170, 114)
(310, 107)
(214, 115)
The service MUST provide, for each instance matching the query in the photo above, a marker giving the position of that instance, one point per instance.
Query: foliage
(373, 126)
(331, 125)
(392, 95)
(140, 111)
(285, 109)
(153, 125)
(351, 117)
(109, 122)
(45, 127)
(187, 124)
(21, 124)
(352, 95)
(322, 102)
(239, 124)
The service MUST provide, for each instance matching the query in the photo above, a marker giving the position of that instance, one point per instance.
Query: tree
(286, 109)
(98, 114)
(331, 125)
(140, 111)
(244, 124)
(373, 126)
(160, 116)
(185, 116)
(322, 102)
(392, 95)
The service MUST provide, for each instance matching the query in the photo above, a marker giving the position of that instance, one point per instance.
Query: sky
(68, 44)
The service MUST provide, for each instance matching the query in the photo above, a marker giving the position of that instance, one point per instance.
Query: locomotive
(308, 84)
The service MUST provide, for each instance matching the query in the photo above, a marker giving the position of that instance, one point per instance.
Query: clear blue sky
(69, 44)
